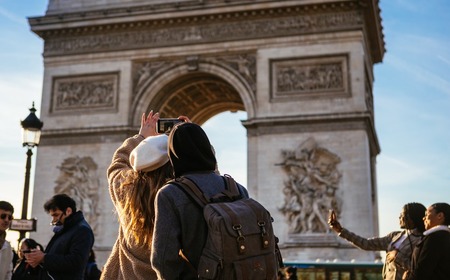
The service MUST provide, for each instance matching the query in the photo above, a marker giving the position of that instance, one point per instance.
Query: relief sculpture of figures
(245, 64)
(78, 179)
(310, 190)
(147, 70)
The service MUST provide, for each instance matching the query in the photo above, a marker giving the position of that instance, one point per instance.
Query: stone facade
(302, 70)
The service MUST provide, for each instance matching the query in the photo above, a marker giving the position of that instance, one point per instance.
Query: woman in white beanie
(139, 167)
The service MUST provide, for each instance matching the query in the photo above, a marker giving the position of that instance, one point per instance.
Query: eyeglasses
(3, 216)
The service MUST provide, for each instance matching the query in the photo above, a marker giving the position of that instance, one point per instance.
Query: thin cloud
(408, 5)
(427, 77)
(5, 14)
(423, 44)
(444, 59)
(396, 172)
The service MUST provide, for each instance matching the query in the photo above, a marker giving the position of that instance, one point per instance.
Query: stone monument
(302, 70)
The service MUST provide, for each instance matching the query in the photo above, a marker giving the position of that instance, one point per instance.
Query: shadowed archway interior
(199, 96)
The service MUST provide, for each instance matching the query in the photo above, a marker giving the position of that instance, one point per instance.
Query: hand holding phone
(165, 125)
(332, 216)
(333, 222)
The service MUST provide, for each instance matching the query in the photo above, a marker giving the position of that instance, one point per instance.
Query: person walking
(397, 244)
(67, 253)
(431, 257)
(180, 230)
(6, 253)
(139, 167)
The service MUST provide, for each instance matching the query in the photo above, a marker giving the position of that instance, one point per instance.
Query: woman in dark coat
(431, 257)
(22, 270)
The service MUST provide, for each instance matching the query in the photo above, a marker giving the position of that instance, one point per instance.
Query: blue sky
(411, 98)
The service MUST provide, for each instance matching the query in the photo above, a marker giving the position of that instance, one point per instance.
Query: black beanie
(190, 150)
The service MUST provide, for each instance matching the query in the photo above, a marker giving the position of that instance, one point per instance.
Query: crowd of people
(162, 231)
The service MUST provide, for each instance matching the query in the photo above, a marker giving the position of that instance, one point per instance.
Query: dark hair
(61, 202)
(91, 256)
(32, 244)
(4, 205)
(190, 150)
(416, 212)
(442, 207)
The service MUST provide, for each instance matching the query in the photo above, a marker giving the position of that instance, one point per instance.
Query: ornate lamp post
(31, 133)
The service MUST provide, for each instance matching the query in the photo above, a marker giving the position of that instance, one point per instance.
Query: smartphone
(164, 125)
(332, 216)
(26, 251)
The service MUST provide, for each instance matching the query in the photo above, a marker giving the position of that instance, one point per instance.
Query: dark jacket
(431, 257)
(23, 271)
(180, 225)
(179, 222)
(67, 252)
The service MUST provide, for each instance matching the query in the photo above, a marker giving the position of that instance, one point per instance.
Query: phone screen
(165, 125)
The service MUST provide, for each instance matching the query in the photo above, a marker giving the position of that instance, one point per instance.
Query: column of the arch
(297, 131)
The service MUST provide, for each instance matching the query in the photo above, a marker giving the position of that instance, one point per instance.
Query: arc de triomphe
(302, 70)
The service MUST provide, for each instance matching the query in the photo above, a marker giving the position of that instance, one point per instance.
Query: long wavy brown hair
(140, 203)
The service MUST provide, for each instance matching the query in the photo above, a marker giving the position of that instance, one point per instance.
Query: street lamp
(31, 134)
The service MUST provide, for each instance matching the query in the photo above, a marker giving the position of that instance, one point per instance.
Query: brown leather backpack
(240, 243)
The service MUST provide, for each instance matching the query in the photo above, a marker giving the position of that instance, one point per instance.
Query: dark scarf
(190, 150)
(2, 238)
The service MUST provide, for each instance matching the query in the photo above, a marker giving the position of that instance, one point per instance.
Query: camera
(165, 125)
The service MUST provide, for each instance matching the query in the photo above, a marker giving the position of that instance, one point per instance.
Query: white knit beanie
(150, 154)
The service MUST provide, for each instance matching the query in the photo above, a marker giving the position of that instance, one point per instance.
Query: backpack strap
(189, 187)
(231, 189)
(193, 191)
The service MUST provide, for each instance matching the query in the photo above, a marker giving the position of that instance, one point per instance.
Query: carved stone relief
(75, 93)
(368, 95)
(78, 179)
(243, 65)
(310, 189)
(145, 71)
(159, 34)
(310, 77)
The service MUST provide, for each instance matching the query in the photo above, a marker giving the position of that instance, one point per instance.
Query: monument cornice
(119, 30)
(56, 19)
(315, 123)
(87, 135)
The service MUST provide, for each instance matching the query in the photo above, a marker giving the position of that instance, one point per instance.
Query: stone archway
(199, 95)
(199, 92)
(302, 70)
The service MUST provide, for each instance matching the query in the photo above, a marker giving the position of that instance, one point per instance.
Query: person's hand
(334, 223)
(35, 257)
(405, 275)
(391, 255)
(148, 124)
(184, 118)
